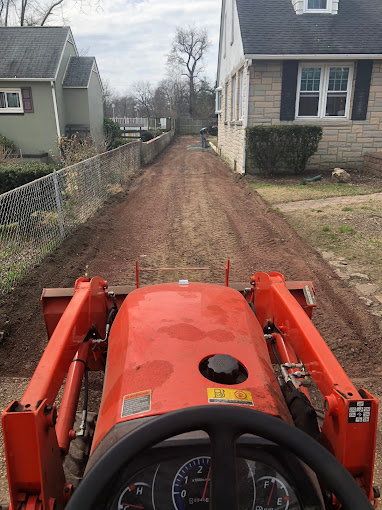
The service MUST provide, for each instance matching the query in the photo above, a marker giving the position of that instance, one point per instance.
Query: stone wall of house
(231, 134)
(373, 164)
(344, 142)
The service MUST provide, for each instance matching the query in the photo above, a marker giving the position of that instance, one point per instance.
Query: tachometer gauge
(190, 488)
(136, 495)
(271, 494)
(191, 485)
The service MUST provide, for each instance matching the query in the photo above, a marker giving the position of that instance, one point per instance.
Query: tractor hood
(159, 338)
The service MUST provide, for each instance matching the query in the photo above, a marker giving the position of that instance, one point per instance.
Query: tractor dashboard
(177, 475)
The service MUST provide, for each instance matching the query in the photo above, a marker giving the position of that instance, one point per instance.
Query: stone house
(316, 62)
(46, 90)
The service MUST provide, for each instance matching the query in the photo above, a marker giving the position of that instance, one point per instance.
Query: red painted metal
(158, 339)
(70, 397)
(32, 453)
(353, 444)
(87, 307)
(160, 336)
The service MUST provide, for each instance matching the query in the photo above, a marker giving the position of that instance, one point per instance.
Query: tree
(171, 97)
(187, 51)
(27, 12)
(205, 99)
(143, 94)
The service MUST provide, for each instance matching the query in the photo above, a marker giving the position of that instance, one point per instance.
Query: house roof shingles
(78, 71)
(31, 52)
(272, 27)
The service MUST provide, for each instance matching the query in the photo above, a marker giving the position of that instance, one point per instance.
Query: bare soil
(187, 209)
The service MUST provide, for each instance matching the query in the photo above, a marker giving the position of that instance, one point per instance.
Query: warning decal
(136, 403)
(359, 412)
(229, 396)
(309, 295)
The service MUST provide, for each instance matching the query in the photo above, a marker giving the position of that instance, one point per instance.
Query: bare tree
(27, 12)
(143, 94)
(187, 51)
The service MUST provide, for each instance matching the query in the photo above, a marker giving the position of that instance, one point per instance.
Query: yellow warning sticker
(136, 403)
(229, 396)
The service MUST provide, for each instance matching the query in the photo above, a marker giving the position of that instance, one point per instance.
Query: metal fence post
(58, 205)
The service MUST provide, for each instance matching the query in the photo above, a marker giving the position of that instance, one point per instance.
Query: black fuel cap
(223, 369)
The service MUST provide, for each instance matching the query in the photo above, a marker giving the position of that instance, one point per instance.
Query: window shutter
(362, 89)
(26, 93)
(288, 91)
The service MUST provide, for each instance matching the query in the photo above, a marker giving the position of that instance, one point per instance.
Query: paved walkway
(322, 202)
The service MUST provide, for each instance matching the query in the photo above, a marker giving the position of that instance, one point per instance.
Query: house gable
(32, 53)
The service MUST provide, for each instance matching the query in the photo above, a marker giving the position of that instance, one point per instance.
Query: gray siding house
(47, 91)
(316, 62)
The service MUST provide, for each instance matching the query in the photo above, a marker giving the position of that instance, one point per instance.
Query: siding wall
(344, 142)
(95, 108)
(33, 133)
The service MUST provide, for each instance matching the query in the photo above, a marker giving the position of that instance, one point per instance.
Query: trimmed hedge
(268, 146)
(13, 175)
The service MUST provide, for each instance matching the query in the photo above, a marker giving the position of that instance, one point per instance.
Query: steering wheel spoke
(223, 468)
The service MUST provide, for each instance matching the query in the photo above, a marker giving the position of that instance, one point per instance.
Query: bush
(267, 146)
(76, 149)
(112, 132)
(146, 136)
(7, 144)
(302, 144)
(13, 175)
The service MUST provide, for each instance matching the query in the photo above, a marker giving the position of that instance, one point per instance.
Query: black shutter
(362, 89)
(26, 93)
(288, 91)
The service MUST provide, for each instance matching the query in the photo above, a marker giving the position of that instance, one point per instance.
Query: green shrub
(265, 146)
(13, 175)
(112, 132)
(7, 144)
(268, 146)
(302, 143)
(118, 142)
(146, 136)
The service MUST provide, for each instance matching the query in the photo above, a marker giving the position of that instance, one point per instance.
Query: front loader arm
(35, 474)
(350, 424)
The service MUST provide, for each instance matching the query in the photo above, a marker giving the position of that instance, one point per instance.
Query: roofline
(317, 56)
(63, 49)
(95, 65)
(220, 42)
(26, 79)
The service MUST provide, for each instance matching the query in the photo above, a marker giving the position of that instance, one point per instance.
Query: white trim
(19, 109)
(72, 87)
(218, 93)
(234, 97)
(328, 10)
(63, 50)
(246, 107)
(55, 110)
(66, 70)
(318, 56)
(323, 92)
(240, 89)
(218, 88)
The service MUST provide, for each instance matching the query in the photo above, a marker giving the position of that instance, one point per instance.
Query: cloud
(131, 38)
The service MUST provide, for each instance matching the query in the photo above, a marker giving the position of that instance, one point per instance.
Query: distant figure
(203, 133)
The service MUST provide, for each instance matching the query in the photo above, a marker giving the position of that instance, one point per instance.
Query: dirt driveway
(187, 209)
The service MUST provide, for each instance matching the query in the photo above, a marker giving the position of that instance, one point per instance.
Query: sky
(130, 38)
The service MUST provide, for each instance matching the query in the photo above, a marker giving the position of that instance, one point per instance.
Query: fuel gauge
(271, 494)
(137, 495)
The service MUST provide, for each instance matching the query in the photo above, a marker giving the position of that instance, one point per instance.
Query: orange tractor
(205, 404)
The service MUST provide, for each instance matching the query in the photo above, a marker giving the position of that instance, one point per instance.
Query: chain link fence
(36, 218)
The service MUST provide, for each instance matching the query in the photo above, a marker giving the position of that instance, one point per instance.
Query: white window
(318, 5)
(233, 98)
(226, 102)
(11, 101)
(218, 100)
(240, 96)
(324, 91)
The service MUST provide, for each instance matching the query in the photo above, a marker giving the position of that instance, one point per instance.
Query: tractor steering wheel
(224, 424)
